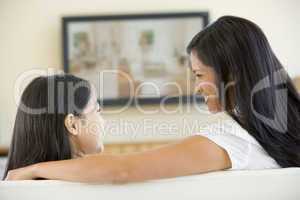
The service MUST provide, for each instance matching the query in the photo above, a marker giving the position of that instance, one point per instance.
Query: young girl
(58, 118)
(264, 108)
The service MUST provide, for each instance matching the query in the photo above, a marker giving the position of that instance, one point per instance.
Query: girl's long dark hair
(263, 99)
(40, 136)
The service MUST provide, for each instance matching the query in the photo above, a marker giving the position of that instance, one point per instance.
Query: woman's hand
(25, 173)
(193, 155)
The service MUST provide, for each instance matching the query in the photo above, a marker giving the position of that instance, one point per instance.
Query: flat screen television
(134, 57)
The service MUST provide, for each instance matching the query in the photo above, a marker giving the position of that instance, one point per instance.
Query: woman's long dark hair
(263, 99)
(40, 135)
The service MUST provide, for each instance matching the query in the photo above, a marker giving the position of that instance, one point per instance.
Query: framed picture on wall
(133, 58)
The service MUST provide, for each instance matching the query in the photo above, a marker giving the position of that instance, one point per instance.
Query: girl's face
(86, 139)
(205, 82)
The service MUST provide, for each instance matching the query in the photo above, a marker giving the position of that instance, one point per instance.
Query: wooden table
(3, 151)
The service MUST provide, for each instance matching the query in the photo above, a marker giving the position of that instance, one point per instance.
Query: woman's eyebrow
(197, 70)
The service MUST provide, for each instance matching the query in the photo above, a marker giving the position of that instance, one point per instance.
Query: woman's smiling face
(205, 82)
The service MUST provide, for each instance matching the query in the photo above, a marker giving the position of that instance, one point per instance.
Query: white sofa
(275, 184)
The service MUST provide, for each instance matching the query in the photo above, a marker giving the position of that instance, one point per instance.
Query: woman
(54, 121)
(232, 53)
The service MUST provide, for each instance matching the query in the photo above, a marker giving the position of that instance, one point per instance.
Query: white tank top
(243, 149)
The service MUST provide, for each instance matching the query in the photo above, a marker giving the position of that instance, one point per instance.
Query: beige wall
(30, 37)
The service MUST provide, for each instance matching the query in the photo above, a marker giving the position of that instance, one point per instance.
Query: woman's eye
(199, 75)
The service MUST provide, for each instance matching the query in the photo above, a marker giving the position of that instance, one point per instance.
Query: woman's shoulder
(222, 125)
(243, 149)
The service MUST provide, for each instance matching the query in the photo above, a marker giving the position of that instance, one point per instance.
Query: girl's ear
(71, 124)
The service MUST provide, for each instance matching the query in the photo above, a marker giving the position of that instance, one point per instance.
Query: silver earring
(205, 99)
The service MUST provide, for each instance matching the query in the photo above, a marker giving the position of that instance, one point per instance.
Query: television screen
(132, 57)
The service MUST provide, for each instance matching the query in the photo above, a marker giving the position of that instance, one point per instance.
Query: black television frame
(90, 18)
